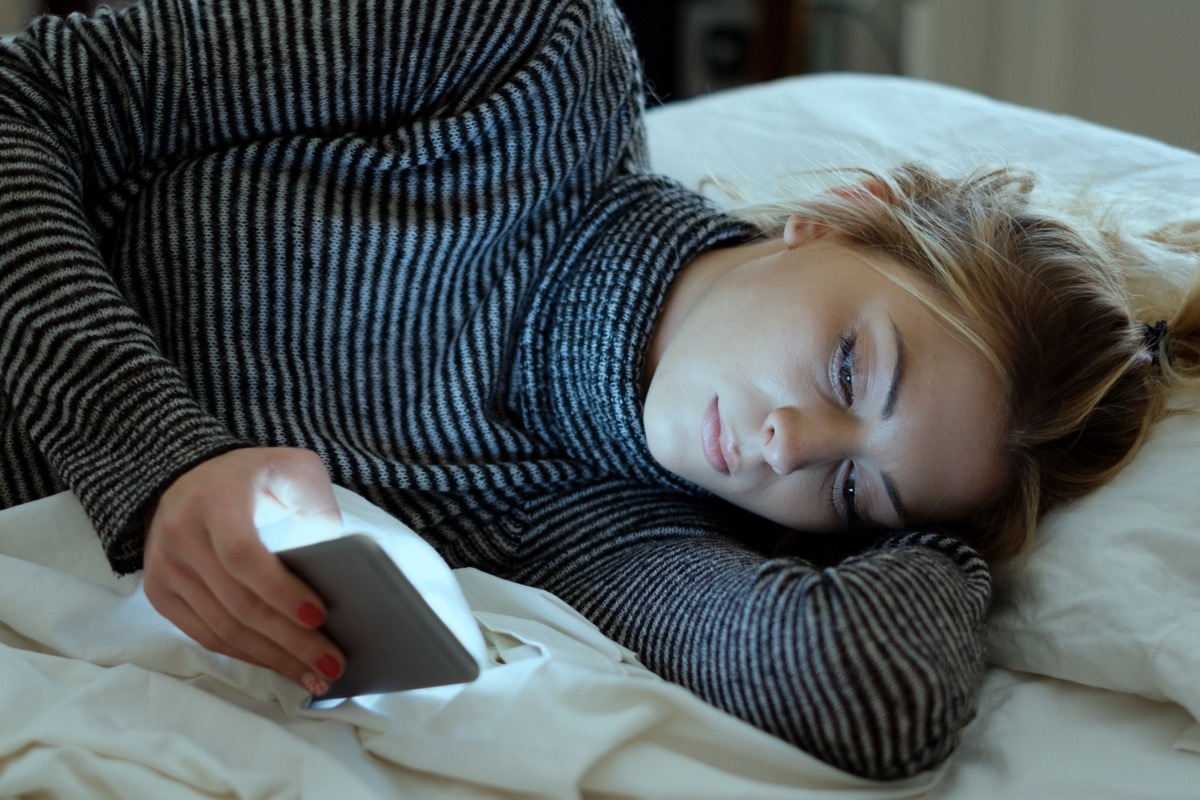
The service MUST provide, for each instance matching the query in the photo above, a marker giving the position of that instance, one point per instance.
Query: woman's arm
(872, 665)
(88, 106)
(90, 109)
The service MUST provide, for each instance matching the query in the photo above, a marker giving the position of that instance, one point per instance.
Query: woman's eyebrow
(889, 408)
(889, 486)
(889, 405)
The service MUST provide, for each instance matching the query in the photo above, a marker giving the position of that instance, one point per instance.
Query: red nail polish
(329, 666)
(310, 615)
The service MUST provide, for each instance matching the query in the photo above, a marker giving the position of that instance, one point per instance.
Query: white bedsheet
(102, 697)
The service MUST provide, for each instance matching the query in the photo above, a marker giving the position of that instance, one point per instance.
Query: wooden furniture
(782, 37)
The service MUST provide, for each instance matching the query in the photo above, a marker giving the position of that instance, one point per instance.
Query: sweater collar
(592, 322)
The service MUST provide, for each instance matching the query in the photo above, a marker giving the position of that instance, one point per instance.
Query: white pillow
(1110, 595)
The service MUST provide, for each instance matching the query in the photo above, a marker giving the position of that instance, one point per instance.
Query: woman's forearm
(872, 665)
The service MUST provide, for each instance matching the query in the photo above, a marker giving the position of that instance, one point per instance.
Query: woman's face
(805, 386)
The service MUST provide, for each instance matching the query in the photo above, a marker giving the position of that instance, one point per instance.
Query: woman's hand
(208, 572)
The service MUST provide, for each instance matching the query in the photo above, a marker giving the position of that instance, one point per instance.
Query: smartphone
(392, 639)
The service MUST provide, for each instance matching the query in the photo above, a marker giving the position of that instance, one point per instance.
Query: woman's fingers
(294, 482)
(260, 598)
(296, 485)
(244, 645)
(209, 573)
(241, 622)
(223, 615)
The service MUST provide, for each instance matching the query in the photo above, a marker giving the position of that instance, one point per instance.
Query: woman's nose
(795, 439)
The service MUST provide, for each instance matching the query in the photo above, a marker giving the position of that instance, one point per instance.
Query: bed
(1094, 642)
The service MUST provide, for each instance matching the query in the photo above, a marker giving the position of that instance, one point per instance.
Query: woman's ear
(799, 229)
(870, 189)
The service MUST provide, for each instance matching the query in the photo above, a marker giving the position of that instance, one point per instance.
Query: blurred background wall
(1131, 64)
(13, 14)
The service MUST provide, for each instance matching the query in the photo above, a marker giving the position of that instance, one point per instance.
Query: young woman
(413, 248)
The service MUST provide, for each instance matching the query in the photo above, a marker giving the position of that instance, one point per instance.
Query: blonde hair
(1062, 310)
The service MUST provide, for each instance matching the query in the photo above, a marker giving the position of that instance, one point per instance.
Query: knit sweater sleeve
(871, 665)
(88, 107)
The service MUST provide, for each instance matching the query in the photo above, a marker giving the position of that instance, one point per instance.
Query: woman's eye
(849, 499)
(845, 370)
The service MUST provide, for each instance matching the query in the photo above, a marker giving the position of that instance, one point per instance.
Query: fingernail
(310, 615)
(313, 684)
(329, 665)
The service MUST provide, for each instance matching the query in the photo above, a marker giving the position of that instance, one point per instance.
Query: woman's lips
(710, 438)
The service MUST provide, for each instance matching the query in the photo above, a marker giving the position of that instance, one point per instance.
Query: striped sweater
(421, 239)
